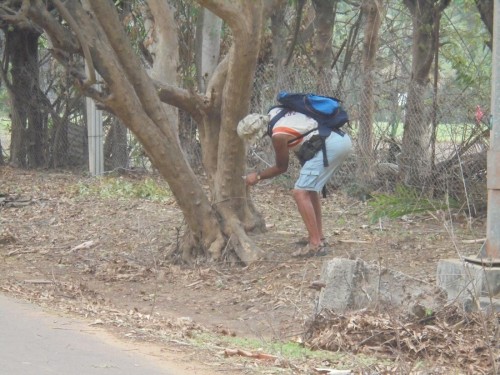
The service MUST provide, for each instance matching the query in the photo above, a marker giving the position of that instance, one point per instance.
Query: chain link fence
(452, 149)
(452, 132)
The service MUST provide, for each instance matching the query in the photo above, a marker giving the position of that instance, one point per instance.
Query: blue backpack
(326, 110)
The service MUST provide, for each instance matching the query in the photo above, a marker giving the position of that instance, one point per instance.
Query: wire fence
(453, 137)
(451, 144)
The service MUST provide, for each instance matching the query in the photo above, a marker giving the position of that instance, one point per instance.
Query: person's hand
(252, 179)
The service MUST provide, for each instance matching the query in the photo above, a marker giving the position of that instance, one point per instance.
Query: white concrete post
(95, 138)
(493, 220)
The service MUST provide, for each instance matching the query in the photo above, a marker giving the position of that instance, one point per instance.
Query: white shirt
(294, 124)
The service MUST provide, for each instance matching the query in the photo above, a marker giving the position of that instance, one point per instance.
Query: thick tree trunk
(485, 8)
(372, 10)
(165, 49)
(230, 193)
(137, 103)
(208, 38)
(28, 121)
(130, 94)
(414, 161)
(323, 52)
(115, 146)
(349, 46)
(278, 44)
(278, 33)
(59, 142)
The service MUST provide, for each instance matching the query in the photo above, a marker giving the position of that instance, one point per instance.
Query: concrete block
(355, 284)
(464, 281)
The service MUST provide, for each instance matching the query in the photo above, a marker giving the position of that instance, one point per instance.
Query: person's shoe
(323, 251)
(305, 241)
(311, 251)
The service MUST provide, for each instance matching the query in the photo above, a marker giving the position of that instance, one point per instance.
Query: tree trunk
(323, 52)
(129, 93)
(485, 8)
(208, 38)
(278, 33)
(115, 146)
(350, 46)
(414, 161)
(278, 44)
(28, 121)
(372, 10)
(230, 194)
(59, 141)
(165, 49)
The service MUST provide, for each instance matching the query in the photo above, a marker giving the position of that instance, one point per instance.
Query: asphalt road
(34, 342)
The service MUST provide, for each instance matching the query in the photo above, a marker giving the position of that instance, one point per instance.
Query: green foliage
(5, 125)
(4, 102)
(460, 52)
(286, 349)
(112, 187)
(405, 201)
(133, 21)
(5, 122)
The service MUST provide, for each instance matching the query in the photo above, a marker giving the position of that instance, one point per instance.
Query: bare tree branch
(86, 52)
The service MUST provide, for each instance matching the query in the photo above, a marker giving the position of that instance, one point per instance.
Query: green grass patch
(121, 188)
(405, 201)
(290, 350)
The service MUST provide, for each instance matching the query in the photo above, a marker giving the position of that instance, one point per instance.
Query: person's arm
(280, 145)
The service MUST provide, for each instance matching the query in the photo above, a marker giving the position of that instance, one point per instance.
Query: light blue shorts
(314, 175)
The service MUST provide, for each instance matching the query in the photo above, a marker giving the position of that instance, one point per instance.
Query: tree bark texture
(485, 8)
(115, 145)
(323, 52)
(372, 13)
(29, 126)
(165, 50)
(208, 37)
(230, 194)
(414, 161)
(138, 100)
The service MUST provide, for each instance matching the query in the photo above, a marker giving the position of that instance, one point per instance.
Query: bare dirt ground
(104, 259)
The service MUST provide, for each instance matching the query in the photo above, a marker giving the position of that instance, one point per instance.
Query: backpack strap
(276, 118)
(280, 115)
(302, 135)
(325, 163)
(323, 148)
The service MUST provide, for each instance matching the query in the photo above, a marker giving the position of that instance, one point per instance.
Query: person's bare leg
(317, 212)
(307, 212)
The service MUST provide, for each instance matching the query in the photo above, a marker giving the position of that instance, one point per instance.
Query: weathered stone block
(467, 282)
(355, 284)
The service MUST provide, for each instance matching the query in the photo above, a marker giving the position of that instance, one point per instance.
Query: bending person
(313, 174)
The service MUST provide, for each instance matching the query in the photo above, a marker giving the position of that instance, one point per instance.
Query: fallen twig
(84, 245)
(329, 371)
(477, 240)
(353, 241)
(38, 281)
(244, 353)
(15, 252)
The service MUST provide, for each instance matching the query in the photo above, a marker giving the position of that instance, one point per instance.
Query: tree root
(188, 248)
(244, 247)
